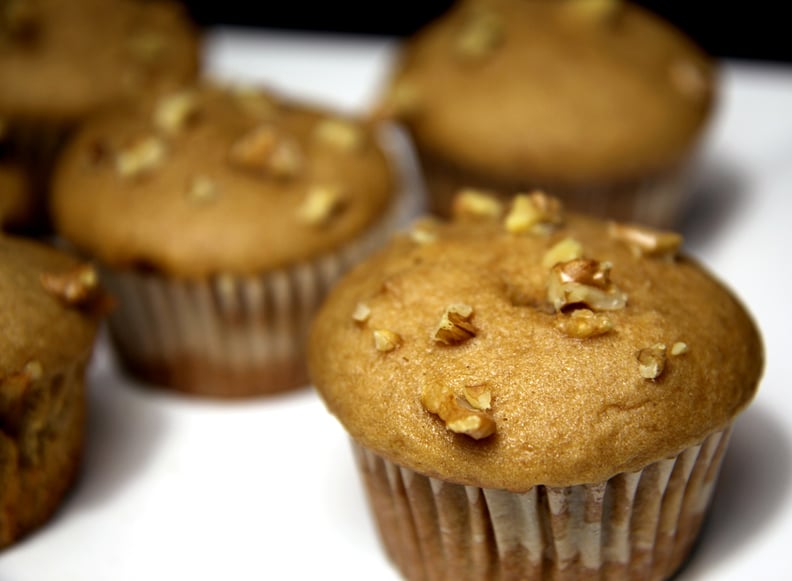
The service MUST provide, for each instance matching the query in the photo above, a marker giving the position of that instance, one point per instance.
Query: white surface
(182, 489)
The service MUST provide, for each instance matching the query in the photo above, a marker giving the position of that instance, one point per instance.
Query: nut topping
(338, 133)
(361, 313)
(77, 287)
(174, 112)
(255, 102)
(651, 361)
(476, 204)
(459, 415)
(535, 212)
(386, 341)
(679, 348)
(645, 241)
(480, 36)
(584, 281)
(563, 251)
(478, 396)
(583, 324)
(423, 231)
(140, 156)
(268, 150)
(320, 204)
(455, 326)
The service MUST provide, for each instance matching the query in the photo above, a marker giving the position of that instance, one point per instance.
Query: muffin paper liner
(636, 525)
(228, 335)
(657, 200)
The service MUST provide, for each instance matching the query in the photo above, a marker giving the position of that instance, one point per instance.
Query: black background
(757, 30)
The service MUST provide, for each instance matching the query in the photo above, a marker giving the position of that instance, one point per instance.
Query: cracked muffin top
(520, 345)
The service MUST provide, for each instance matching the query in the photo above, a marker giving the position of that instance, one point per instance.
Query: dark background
(754, 30)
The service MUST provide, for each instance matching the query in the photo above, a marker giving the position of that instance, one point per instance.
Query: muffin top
(212, 179)
(49, 315)
(509, 349)
(60, 59)
(567, 91)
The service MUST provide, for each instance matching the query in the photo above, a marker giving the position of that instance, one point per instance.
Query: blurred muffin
(598, 101)
(49, 322)
(221, 216)
(62, 59)
(535, 396)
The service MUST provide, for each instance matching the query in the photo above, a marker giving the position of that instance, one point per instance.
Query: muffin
(535, 395)
(598, 101)
(219, 217)
(49, 320)
(60, 60)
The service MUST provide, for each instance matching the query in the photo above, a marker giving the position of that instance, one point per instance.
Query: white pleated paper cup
(230, 335)
(656, 200)
(636, 525)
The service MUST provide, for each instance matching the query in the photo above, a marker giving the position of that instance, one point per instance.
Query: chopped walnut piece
(478, 396)
(645, 241)
(140, 156)
(455, 326)
(689, 79)
(584, 281)
(267, 149)
(76, 287)
(679, 348)
(361, 313)
(651, 361)
(424, 231)
(592, 11)
(563, 251)
(480, 36)
(338, 133)
(535, 212)
(583, 324)
(459, 416)
(174, 112)
(201, 189)
(476, 204)
(385, 340)
(320, 204)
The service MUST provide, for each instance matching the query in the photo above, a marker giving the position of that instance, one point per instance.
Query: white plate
(175, 488)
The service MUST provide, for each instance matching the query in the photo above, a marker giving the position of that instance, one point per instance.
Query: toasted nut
(338, 133)
(480, 36)
(645, 241)
(268, 150)
(424, 231)
(320, 204)
(201, 189)
(689, 79)
(139, 157)
(583, 323)
(584, 281)
(385, 340)
(476, 204)
(535, 212)
(651, 361)
(563, 251)
(458, 415)
(174, 112)
(679, 348)
(455, 326)
(76, 287)
(478, 396)
(592, 11)
(361, 313)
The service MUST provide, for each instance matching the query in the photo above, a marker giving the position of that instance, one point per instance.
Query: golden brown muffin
(60, 60)
(49, 323)
(598, 100)
(562, 385)
(223, 214)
